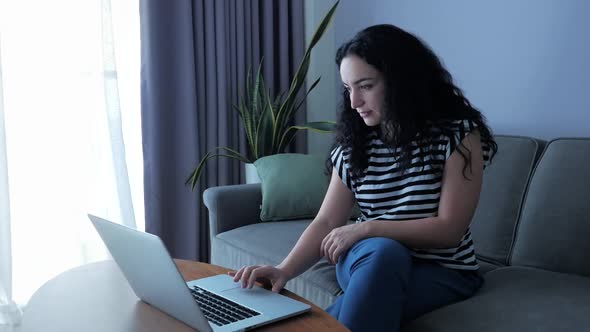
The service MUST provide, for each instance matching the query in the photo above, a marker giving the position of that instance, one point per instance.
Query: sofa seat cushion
(517, 299)
(269, 243)
(485, 267)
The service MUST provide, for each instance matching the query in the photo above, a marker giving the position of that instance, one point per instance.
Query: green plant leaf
(264, 130)
(296, 84)
(317, 126)
(253, 107)
(323, 25)
(296, 108)
(256, 91)
(286, 138)
(245, 107)
(193, 179)
(245, 120)
(286, 109)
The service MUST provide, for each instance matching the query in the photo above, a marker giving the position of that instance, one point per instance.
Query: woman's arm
(333, 213)
(458, 201)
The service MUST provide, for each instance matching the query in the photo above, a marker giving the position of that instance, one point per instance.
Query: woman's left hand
(339, 240)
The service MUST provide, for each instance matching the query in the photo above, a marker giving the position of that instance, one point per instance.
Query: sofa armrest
(232, 206)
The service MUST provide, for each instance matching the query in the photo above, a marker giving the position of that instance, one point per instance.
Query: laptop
(210, 304)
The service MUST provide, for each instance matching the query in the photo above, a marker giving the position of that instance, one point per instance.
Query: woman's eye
(366, 87)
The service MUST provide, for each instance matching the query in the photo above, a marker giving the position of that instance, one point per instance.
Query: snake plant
(266, 118)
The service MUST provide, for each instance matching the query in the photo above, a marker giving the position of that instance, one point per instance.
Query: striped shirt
(384, 193)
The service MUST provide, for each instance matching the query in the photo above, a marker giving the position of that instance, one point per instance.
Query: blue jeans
(384, 287)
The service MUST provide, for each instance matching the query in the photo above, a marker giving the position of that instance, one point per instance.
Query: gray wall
(525, 64)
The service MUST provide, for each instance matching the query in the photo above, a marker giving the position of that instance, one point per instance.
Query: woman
(411, 152)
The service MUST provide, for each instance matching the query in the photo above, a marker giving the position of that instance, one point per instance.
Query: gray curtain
(194, 60)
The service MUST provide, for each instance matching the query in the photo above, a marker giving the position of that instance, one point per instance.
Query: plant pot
(251, 173)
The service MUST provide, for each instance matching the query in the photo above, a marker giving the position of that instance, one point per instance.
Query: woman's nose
(355, 99)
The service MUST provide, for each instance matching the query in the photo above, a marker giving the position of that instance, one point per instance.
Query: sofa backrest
(504, 185)
(554, 229)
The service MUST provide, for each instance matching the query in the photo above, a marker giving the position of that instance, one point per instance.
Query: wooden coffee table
(97, 297)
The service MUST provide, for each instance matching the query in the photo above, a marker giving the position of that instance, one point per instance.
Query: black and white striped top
(384, 193)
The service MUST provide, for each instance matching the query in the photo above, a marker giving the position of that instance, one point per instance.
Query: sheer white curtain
(9, 312)
(70, 136)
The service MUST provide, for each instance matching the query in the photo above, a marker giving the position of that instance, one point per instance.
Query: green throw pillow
(293, 185)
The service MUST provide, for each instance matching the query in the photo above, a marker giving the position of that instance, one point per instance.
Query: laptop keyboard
(219, 310)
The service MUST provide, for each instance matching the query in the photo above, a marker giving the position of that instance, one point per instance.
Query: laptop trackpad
(220, 283)
(257, 298)
(251, 292)
(226, 288)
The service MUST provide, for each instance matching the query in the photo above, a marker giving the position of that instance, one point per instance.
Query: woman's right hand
(247, 275)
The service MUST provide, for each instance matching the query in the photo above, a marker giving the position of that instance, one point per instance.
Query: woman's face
(366, 88)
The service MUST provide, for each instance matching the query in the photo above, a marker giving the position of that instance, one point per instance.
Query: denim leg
(374, 275)
(433, 286)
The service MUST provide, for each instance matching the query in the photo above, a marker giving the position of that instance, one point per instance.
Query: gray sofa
(531, 231)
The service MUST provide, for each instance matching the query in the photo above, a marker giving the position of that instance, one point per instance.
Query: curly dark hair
(420, 96)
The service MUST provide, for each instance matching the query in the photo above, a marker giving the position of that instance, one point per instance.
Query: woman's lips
(365, 114)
